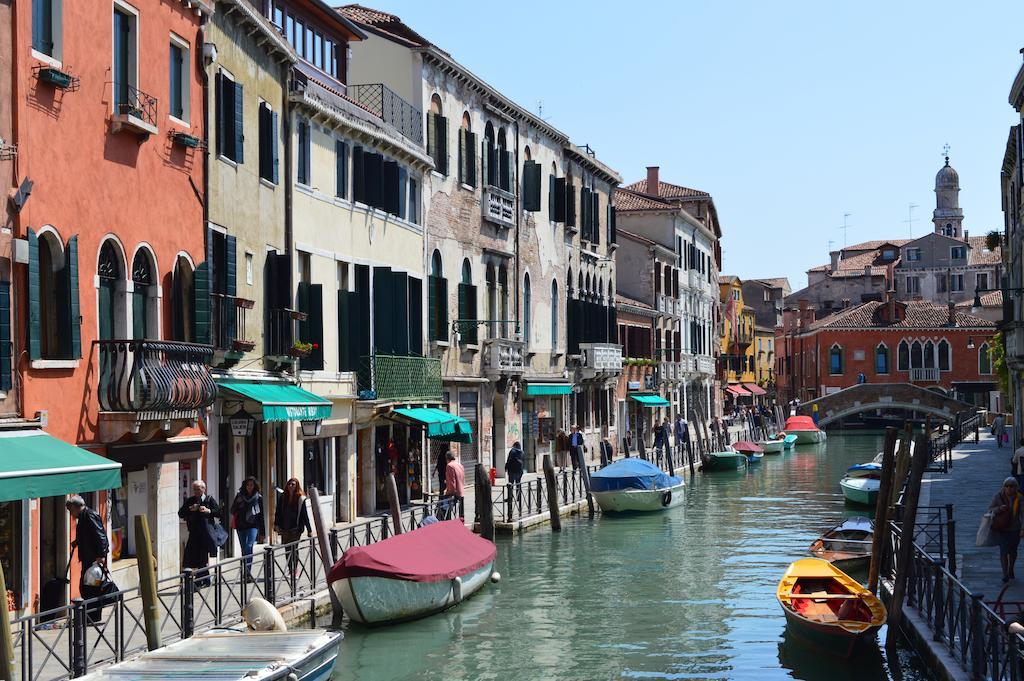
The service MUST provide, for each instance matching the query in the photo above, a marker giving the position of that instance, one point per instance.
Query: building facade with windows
(108, 104)
(1012, 190)
(739, 359)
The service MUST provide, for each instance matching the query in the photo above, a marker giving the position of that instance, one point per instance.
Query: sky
(791, 114)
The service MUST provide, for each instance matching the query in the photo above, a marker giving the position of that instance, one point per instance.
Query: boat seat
(819, 611)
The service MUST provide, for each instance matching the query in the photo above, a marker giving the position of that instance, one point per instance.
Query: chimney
(966, 236)
(867, 271)
(835, 259)
(951, 318)
(652, 181)
(846, 303)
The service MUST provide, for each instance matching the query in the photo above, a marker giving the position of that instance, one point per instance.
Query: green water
(685, 594)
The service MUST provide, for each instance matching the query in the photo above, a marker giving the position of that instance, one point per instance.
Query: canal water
(685, 594)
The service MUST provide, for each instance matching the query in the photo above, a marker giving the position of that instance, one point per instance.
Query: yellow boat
(827, 606)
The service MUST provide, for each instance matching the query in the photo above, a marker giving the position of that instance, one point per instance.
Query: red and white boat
(412, 575)
(806, 431)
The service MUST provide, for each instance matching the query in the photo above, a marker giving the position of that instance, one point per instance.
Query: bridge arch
(868, 397)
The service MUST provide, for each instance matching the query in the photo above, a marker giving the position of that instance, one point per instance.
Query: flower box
(243, 345)
(298, 316)
(299, 352)
(245, 303)
(57, 78)
(183, 139)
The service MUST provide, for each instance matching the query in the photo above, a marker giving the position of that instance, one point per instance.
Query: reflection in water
(685, 594)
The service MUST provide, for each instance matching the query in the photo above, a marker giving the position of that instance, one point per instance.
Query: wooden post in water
(6, 642)
(549, 477)
(902, 465)
(919, 463)
(396, 509)
(878, 540)
(147, 583)
(484, 507)
(326, 557)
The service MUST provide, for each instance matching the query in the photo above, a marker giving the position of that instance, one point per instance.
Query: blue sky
(791, 114)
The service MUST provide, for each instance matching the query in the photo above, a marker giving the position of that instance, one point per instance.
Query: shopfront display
(11, 549)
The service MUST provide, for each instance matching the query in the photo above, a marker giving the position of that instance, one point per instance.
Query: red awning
(736, 390)
(755, 389)
(432, 553)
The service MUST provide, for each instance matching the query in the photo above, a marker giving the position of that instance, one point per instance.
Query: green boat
(724, 461)
(863, 491)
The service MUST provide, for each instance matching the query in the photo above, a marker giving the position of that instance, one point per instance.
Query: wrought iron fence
(381, 100)
(279, 333)
(227, 322)
(131, 101)
(153, 375)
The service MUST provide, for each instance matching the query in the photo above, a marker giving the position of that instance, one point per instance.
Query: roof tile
(921, 314)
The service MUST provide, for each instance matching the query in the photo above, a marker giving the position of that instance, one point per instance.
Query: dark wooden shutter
(6, 375)
(442, 144)
(415, 316)
(432, 136)
(470, 159)
(531, 186)
(570, 204)
(221, 113)
(274, 154)
(492, 163)
(432, 310)
(345, 299)
(400, 312)
(403, 197)
(389, 187)
(442, 309)
(585, 213)
(471, 309)
(359, 328)
(383, 311)
(467, 312)
(263, 117)
(201, 303)
(358, 175)
(302, 305)
(595, 217)
(35, 347)
(340, 169)
(551, 198)
(612, 233)
(505, 171)
(559, 212)
(238, 118)
(373, 167)
(315, 328)
(462, 156)
(74, 307)
(230, 319)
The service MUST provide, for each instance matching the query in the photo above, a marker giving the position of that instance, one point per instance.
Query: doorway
(498, 445)
(53, 540)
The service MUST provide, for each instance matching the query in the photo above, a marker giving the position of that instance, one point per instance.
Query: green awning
(541, 389)
(35, 465)
(440, 424)
(651, 400)
(282, 402)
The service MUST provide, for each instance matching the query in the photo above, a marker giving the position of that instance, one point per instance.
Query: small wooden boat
(863, 491)
(724, 461)
(633, 484)
(847, 545)
(826, 606)
(806, 431)
(226, 655)
(412, 575)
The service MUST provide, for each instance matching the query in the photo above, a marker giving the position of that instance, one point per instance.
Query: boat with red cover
(805, 429)
(412, 575)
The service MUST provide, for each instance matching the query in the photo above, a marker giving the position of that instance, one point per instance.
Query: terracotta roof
(727, 278)
(626, 300)
(383, 22)
(921, 314)
(876, 244)
(669, 191)
(990, 299)
(630, 200)
(979, 255)
(775, 282)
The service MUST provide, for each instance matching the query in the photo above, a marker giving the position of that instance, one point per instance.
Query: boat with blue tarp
(635, 485)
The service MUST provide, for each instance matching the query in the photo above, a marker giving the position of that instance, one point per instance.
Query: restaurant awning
(737, 390)
(651, 400)
(755, 389)
(440, 425)
(282, 402)
(541, 389)
(35, 465)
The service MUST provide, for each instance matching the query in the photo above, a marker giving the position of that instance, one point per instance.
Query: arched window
(111, 276)
(182, 304)
(467, 152)
(527, 312)
(835, 360)
(437, 135)
(881, 359)
(437, 300)
(526, 153)
(579, 285)
(53, 318)
(435, 104)
(467, 272)
(554, 315)
(984, 359)
(903, 356)
(490, 278)
(145, 318)
(945, 361)
(502, 161)
(916, 355)
(489, 157)
(435, 264)
(568, 283)
(929, 355)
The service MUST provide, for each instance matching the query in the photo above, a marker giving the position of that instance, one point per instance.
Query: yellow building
(763, 348)
(738, 365)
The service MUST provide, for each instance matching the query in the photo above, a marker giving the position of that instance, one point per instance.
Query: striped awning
(737, 390)
(755, 389)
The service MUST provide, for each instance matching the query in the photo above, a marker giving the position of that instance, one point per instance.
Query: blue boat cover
(631, 473)
(870, 466)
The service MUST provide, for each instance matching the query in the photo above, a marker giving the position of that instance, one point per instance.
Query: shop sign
(633, 385)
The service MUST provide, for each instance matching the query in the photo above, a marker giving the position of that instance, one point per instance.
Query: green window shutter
(358, 176)
(491, 163)
(138, 314)
(403, 199)
(471, 308)
(264, 132)
(595, 217)
(505, 171)
(231, 288)
(35, 349)
(389, 187)
(340, 169)
(432, 137)
(442, 144)
(464, 329)
(239, 136)
(302, 305)
(373, 166)
(442, 309)
(275, 159)
(344, 346)
(585, 213)
(462, 155)
(558, 214)
(611, 224)
(201, 303)
(415, 316)
(362, 326)
(432, 310)
(400, 321)
(551, 198)
(570, 204)
(470, 159)
(383, 311)
(314, 327)
(531, 186)
(74, 307)
(6, 376)
(218, 97)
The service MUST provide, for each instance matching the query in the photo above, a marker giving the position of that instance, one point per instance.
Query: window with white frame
(958, 252)
(47, 27)
(913, 254)
(178, 101)
(956, 282)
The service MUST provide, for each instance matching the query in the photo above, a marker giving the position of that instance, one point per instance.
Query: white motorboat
(635, 485)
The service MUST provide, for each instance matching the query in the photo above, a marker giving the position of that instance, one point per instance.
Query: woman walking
(1007, 510)
(290, 518)
(514, 464)
(199, 513)
(247, 511)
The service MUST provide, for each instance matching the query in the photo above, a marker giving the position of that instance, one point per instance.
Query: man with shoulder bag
(92, 545)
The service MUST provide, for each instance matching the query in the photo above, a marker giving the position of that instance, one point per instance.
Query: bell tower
(948, 217)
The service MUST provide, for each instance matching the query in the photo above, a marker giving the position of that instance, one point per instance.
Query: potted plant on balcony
(239, 345)
(298, 316)
(300, 349)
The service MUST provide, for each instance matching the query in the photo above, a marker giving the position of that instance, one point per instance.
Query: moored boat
(826, 606)
(789, 441)
(863, 491)
(754, 457)
(753, 451)
(633, 484)
(772, 446)
(847, 545)
(864, 470)
(412, 575)
(806, 431)
(724, 461)
(226, 655)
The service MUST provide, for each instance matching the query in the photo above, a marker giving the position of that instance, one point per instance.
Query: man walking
(682, 436)
(607, 453)
(454, 484)
(576, 447)
(92, 545)
(514, 464)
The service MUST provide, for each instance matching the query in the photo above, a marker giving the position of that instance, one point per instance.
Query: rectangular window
(299, 39)
(278, 17)
(957, 252)
(178, 99)
(248, 268)
(414, 203)
(956, 282)
(981, 281)
(913, 254)
(229, 118)
(309, 43)
(304, 150)
(318, 50)
(46, 27)
(268, 143)
(330, 59)
(125, 60)
(940, 282)
(289, 29)
(913, 285)
(340, 169)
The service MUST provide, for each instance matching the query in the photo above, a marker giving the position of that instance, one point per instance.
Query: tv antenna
(910, 219)
(845, 227)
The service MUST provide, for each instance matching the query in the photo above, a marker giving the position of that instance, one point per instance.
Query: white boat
(635, 485)
(806, 431)
(412, 575)
(227, 655)
(863, 491)
(772, 446)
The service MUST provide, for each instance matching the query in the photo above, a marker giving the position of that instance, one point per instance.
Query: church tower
(948, 217)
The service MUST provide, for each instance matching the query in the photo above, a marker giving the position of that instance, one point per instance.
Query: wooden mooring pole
(147, 583)
(902, 465)
(549, 477)
(393, 504)
(484, 507)
(878, 540)
(906, 554)
(326, 557)
(6, 642)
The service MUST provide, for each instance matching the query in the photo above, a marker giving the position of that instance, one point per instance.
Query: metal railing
(382, 101)
(924, 375)
(227, 322)
(280, 332)
(154, 375)
(395, 377)
(517, 501)
(941, 446)
(131, 101)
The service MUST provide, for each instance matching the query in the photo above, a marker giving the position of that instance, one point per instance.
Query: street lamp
(242, 423)
(311, 428)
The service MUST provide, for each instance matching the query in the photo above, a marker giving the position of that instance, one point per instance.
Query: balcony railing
(925, 375)
(600, 359)
(705, 365)
(499, 206)
(280, 332)
(154, 375)
(392, 109)
(228, 323)
(134, 110)
(504, 357)
(399, 377)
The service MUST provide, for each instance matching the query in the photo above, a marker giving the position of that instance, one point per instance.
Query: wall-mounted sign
(633, 385)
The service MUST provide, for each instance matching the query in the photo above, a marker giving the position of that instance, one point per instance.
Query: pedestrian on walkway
(561, 449)
(1007, 510)
(1017, 463)
(627, 443)
(248, 520)
(92, 545)
(455, 483)
(290, 518)
(576, 447)
(607, 453)
(439, 467)
(998, 429)
(514, 464)
(199, 512)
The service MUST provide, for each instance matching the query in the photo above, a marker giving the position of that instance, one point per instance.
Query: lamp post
(311, 428)
(242, 423)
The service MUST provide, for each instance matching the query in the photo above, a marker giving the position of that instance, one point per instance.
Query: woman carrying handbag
(290, 519)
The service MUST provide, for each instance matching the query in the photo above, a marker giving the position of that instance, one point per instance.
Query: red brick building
(933, 346)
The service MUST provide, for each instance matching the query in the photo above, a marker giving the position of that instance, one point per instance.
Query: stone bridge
(870, 396)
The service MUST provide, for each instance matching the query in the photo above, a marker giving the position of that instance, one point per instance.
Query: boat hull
(754, 457)
(808, 437)
(832, 639)
(724, 461)
(640, 500)
(772, 446)
(375, 601)
(865, 495)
